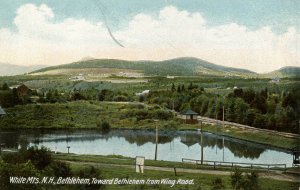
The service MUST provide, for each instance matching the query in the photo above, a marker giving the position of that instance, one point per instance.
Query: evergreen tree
(5, 86)
(182, 88)
(173, 87)
(190, 87)
(178, 89)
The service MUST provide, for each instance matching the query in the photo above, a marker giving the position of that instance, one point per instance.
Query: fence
(233, 164)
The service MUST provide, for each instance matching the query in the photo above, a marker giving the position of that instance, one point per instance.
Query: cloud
(41, 39)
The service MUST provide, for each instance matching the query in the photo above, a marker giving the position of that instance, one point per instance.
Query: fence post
(175, 171)
(214, 165)
(284, 167)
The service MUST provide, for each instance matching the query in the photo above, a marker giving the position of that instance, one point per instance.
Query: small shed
(2, 112)
(189, 116)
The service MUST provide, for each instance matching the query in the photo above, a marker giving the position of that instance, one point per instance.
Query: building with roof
(189, 116)
(22, 90)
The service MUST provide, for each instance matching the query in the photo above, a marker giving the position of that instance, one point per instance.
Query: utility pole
(223, 132)
(201, 143)
(156, 141)
(156, 138)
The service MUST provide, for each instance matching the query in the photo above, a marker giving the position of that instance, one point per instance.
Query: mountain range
(184, 66)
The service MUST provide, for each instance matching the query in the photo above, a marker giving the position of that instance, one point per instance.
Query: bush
(217, 184)
(91, 172)
(162, 114)
(61, 169)
(236, 179)
(20, 169)
(104, 126)
(172, 125)
(248, 182)
(120, 98)
(40, 158)
(251, 181)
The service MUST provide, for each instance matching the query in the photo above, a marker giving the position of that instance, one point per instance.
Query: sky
(257, 35)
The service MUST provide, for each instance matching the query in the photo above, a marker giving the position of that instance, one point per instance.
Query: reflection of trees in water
(242, 150)
(238, 147)
(13, 140)
(9, 138)
(142, 137)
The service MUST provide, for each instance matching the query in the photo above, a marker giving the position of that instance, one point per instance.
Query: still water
(172, 146)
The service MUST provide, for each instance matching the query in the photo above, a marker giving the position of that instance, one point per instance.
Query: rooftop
(189, 112)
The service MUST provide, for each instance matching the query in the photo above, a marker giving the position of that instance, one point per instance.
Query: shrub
(251, 181)
(120, 98)
(40, 158)
(162, 114)
(236, 179)
(104, 126)
(217, 184)
(61, 169)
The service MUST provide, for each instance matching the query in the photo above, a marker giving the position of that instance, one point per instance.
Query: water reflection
(173, 145)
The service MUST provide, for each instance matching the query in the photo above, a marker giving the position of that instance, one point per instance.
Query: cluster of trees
(177, 98)
(38, 162)
(261, 109)
(117, 96)
(9, 98)
(92, 94)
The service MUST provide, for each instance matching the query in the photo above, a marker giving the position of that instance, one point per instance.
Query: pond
(172, 146)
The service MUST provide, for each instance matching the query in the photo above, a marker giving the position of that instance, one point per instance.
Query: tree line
(261, 109)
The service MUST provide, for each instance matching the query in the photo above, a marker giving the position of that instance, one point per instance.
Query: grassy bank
(249, 135)
(118, 159)
(90, 115)
(201, 181)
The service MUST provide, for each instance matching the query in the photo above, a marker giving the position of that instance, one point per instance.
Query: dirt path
(269, 175)
(208, 120)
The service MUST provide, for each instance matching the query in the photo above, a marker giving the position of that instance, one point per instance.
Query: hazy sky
(258, 35)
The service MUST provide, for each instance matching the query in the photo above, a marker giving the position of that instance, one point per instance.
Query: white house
(144, 93)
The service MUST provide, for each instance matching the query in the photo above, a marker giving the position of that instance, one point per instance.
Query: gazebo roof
(2, 112)
(189, 112)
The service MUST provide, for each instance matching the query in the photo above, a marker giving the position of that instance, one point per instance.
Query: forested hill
(285, 72)
(185, 66)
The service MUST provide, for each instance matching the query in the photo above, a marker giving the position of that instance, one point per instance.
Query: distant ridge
(284, 72)
(183, 66)
(11, 69)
